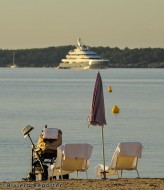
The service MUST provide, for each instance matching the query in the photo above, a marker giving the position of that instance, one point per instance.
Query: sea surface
(61, 99)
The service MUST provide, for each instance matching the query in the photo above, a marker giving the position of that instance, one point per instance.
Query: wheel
(66, 176)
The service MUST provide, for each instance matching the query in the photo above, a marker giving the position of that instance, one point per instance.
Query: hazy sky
(113, 23)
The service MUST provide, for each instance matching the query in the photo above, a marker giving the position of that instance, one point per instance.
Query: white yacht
(83, 58)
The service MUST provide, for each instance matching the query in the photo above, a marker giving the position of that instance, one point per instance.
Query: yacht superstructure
(83, 58)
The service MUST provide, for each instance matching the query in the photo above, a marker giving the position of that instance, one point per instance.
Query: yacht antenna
(79, 42)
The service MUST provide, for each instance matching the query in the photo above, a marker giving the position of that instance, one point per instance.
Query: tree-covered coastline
(51, 57)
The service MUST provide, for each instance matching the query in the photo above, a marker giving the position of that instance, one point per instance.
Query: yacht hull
(101, 64)
(92, 64)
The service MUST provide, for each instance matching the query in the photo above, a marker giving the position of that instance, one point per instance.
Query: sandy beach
(90, 184)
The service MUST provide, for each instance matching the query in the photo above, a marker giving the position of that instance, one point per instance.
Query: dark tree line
(51, 57)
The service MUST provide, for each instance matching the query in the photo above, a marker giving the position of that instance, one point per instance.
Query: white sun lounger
(71, 158)
(125, 157)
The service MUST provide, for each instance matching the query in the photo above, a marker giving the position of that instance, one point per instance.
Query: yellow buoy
(115, 109)
(109, 89)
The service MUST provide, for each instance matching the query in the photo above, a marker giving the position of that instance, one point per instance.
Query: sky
(26, 24)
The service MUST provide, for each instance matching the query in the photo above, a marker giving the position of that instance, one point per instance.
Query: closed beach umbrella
(97, 112)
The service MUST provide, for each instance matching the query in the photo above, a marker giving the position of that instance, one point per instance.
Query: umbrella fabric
(97, 109)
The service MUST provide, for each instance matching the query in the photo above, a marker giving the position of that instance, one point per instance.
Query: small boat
(13, 64)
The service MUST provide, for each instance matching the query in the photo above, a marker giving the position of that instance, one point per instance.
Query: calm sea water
(61, 99)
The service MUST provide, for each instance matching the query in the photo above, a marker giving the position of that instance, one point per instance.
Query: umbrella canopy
(97, 112)
(97, 109)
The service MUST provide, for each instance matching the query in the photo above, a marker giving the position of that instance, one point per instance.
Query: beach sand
(90, 184)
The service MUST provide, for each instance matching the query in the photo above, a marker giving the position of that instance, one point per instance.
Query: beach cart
(45, 151)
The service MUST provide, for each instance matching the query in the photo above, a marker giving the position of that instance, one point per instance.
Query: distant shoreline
(52, 56)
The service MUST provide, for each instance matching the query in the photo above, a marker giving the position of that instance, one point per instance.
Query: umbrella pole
(103, 154)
